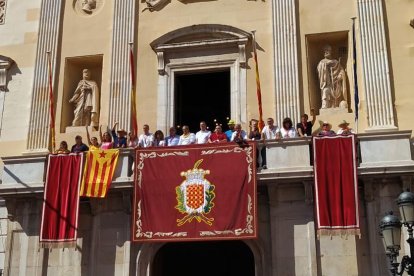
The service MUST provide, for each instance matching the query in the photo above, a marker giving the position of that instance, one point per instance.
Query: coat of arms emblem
(195, 196)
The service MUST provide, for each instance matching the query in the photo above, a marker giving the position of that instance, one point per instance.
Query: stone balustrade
(287, 160)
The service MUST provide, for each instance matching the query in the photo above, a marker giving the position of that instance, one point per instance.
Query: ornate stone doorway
(201, 48)
(202, 96)
(224, 258)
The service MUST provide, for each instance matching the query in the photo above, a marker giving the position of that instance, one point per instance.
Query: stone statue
(86, 99)
(88, 5)
(332, 80)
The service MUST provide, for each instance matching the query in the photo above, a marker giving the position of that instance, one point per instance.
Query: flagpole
(133, 91)
(258, 88)
(355, 75)
(51, 101)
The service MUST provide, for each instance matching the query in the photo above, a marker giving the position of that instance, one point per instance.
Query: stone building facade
(178, 38)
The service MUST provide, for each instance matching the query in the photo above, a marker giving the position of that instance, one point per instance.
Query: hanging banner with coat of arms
(196, 192)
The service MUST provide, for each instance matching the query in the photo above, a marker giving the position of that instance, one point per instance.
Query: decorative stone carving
(411, 23)
(154, 4)
(5, 63)
(2, 11)
(86, 100)
(87, 7)
(332, 80)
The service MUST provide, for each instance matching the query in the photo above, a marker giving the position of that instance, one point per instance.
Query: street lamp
(390, 231)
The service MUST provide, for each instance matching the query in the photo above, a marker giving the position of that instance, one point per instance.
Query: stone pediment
(201, 35)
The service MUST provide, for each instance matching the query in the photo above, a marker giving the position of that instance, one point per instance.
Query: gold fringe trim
(50, 245)
(344, 233)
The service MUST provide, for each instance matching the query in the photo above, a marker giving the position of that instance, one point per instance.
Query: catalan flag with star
(99, 170)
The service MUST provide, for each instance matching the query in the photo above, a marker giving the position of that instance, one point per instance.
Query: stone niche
(315, 47)
(73, 74)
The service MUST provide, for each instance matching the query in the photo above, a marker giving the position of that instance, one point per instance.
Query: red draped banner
(61, 201)
(196, 192)
(336, 185)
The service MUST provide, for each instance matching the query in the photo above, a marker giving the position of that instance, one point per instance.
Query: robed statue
(332, 80)
(86, 100)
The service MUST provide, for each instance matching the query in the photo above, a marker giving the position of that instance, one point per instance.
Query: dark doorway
(202, 97)
(224, 258)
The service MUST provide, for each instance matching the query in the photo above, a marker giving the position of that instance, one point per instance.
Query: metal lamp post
(390, 227)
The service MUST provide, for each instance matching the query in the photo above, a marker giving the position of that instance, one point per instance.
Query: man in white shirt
(203, 135)
(146, 139)
(344, 128)
(187, 138)
(269, 132)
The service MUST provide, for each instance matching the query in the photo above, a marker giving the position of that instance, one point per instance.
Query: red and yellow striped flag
(258, 88)
(98, 172)
(133, 94)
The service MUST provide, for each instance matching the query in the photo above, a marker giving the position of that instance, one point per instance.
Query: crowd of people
(235, 133)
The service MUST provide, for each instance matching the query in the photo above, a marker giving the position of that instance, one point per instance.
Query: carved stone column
(120, 83)
(376, 69)
(286, 60)
(48, 38)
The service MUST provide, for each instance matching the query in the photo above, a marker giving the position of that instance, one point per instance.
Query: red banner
(61, 201)
(336, 185)
(197, 192)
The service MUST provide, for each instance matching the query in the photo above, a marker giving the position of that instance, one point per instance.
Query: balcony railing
(287, 160)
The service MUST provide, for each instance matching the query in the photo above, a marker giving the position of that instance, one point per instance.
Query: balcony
(385, 153)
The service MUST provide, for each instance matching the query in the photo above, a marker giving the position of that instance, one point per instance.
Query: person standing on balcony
(79, 146)
(159, 139)
(229, 132)
(173, 138)
(218, 136)
(255, 135)
(120, 140)
(106, 139)
(287, 130)
(63, 148)
(238, 134)
(344, 128)
(326, 130)
(146, 139)
(269, 133)
(203, 135)
(93, 142)
(187, 138)
(304, 127)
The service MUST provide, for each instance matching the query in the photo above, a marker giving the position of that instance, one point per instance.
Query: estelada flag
(99, 170)
(195, 192)
(59, 224)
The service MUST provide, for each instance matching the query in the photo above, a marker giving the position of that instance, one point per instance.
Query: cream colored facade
(187, 36)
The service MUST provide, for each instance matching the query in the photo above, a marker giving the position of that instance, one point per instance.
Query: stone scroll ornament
(2, 11)
(154, 4)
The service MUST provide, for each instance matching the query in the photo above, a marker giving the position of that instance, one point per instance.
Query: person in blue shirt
(229, 132)
(79, 146)
(173, 138)
(120, 140)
